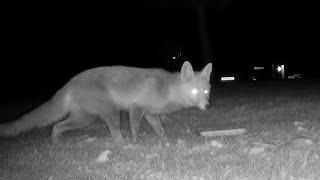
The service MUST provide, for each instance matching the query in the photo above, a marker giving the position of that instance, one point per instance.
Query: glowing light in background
(279, 68)
(227, 78)
(258, 68)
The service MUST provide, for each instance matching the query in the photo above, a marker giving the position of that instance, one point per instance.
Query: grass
(273, 148)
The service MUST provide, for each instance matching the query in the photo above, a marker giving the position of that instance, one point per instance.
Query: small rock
(215, 143)
(299, 123)
(302, 129)
(103, 156)
(259, 148)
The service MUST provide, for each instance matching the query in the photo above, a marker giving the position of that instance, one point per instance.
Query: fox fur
(104, 91)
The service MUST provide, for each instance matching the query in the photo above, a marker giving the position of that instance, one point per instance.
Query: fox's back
(124, 85)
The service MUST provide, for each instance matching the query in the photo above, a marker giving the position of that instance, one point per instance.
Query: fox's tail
(49, 112)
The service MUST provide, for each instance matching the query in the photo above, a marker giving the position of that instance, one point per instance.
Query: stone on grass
(299, 123)
(103, 156)
(217, 144)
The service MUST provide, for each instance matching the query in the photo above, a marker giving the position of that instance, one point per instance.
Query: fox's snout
(204, 106)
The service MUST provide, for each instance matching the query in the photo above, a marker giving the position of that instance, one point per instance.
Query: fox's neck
(177, 96)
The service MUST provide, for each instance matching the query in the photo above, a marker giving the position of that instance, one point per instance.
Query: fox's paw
(55, 139)
(165, 141)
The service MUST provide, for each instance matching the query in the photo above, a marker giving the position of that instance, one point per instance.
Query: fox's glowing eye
(194, 91)
(206, 91)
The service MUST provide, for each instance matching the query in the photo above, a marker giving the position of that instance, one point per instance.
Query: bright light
(227, 78)
(194, 91)
(279, 68)
(174, 57)
(206, 91)
(258, 68)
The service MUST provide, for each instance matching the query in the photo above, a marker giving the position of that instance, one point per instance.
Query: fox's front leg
(135, 114)
(155, 122)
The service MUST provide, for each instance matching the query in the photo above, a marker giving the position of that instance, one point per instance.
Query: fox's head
(195, 86)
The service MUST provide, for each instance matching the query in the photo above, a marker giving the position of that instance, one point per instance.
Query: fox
(102, 92)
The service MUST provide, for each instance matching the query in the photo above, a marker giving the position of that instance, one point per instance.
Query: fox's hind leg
(76, 120)
(112, 117)
(155, 122)
(135, 119)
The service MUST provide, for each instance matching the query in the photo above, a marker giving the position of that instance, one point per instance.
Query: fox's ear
(205, 73)
(186, 71)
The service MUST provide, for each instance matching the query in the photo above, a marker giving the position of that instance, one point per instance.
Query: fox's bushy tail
(47, 113)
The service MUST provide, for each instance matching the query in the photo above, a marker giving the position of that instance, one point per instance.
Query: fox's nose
(204, 106)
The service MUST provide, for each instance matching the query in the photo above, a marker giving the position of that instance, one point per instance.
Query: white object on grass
(229, 132)
(103, 156)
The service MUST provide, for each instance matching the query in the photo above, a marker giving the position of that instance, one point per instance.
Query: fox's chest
(165, 108)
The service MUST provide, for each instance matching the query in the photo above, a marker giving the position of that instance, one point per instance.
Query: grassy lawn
(282, 142)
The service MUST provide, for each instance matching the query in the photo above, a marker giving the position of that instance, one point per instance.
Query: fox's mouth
(203, 107)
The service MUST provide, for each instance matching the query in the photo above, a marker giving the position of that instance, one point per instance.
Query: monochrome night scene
(162, 89)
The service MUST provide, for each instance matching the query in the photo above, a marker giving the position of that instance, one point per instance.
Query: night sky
(46, 44)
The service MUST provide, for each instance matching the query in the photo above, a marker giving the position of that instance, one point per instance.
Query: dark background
(45, 44)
